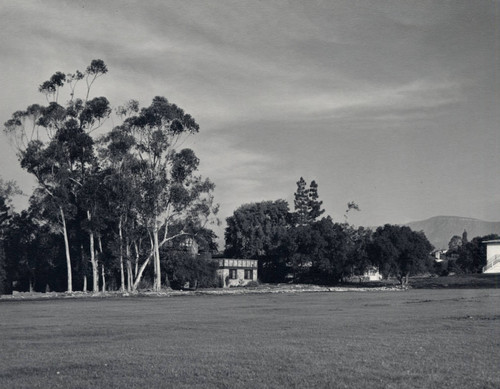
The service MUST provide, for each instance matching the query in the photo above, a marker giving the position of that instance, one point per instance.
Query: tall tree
(120, 201)
(54, 142)
(464, 238)
(307, 203)
(170, 190)
(455, 243)
(301, 202)
(314, 204)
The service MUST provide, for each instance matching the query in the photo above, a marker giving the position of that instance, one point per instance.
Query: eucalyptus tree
(169, 189)
(140, 181)
(120, 171)
(54, 144)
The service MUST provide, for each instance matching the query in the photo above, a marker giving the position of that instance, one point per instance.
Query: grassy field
(444, 338)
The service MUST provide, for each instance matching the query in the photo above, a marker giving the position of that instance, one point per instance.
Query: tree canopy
(400, 252)
(295, 246)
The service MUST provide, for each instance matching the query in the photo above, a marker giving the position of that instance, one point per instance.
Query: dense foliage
(295, 246)
(108, 199)
(400, 252)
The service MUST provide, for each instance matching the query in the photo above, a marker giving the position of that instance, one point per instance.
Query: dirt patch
(262, 289)
(470, 281)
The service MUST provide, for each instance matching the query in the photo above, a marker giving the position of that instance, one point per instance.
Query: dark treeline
(300, 246)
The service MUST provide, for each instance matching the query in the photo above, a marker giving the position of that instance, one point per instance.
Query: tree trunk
(99, 240)
(140, 271)
(129, 275)
(129, 266)
(122, 273)
(84, 283)
(151, 255)
(93, 261)
(136, 269)
(403, 279)
(66, 247)
(139, 274)
(103, 275)
(156, 257)
(103, 278)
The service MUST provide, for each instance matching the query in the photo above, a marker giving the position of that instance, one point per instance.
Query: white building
(237, 272)
(492, 256)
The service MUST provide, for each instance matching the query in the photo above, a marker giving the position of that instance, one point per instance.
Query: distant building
(237, 272)
(372, 274)
(492, 256)
(445, 255)
(188, 244)
(439, 255)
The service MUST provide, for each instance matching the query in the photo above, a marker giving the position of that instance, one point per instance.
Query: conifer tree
(301, 202)
(314, 205)
(307, 203)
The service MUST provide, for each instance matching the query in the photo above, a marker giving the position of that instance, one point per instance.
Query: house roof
(492, 241)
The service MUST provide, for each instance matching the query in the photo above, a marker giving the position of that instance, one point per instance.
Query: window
(233, 274)
(248, 274)
(187, 243)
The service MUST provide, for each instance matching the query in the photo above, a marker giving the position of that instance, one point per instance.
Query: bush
(145, 284)
(184, 270)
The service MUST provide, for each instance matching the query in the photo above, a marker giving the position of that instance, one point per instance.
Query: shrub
(145, 284)
(183, 268)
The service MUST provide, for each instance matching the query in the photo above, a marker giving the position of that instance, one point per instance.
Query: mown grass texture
(407, 339)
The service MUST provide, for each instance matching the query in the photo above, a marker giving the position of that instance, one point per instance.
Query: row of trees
(300, 246)
(116, 195)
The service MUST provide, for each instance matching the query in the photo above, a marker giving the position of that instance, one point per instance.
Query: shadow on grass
(465, 281)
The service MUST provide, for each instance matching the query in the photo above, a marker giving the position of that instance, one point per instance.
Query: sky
(391, 104)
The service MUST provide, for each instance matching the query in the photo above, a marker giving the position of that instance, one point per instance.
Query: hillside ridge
(440, 229)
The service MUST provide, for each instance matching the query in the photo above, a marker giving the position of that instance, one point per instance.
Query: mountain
(440, 229)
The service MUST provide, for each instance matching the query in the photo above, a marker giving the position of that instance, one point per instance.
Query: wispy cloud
(420, 94)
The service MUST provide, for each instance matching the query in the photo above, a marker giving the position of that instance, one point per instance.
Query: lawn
(444, 338)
